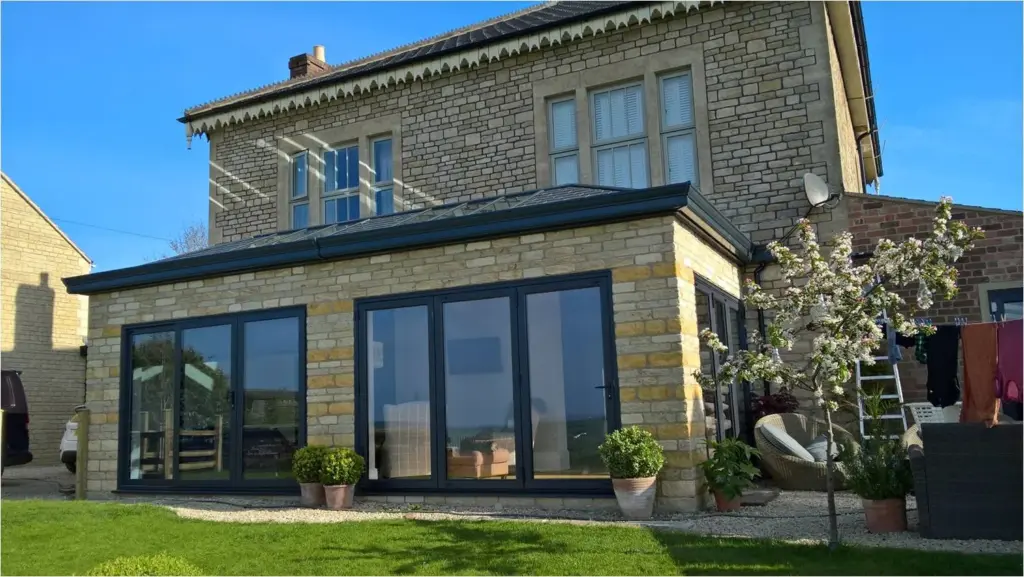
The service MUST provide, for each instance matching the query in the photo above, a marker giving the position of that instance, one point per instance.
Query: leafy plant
(781, 401)
(159, 564)
(307, 462)
(632, 453)
(341, 467)
(729, 470)
(879, 469)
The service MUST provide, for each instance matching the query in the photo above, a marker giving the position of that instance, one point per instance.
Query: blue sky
(90, 94)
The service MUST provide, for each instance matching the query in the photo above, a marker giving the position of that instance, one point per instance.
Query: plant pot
(312, 495)
(725, 504)
(339, 496)
(635, 496)
(886, 515)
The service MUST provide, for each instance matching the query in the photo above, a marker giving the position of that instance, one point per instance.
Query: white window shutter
(677, 101)
(563, 120)
(638, 166)
(605, 168)
(681, 158)
(633, 110)
(566, 170)
(602, 116)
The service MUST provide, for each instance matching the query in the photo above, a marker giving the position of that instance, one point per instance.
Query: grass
(62, 538)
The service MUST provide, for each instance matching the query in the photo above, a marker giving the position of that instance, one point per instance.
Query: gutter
(618, 206)
(857, 17)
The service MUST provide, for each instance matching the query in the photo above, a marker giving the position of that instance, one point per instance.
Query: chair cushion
(784, 443)
(817, 448)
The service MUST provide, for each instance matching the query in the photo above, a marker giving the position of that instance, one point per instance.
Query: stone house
(470, 257)
(42, 326)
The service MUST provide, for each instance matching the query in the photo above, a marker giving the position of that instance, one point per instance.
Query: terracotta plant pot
(885, 516)
(339, 496)
(635, 496)
(312, 495)
(725, 504)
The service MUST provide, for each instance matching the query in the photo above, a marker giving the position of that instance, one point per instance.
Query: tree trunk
(833, 521)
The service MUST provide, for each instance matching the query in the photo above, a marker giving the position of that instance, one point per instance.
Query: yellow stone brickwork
(41, 325)
(649, 328)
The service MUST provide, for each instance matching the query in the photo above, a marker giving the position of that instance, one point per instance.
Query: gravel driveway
(36, 482)
(793, 516)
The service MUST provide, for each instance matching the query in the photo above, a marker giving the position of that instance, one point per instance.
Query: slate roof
(509, 26)
(523, 213)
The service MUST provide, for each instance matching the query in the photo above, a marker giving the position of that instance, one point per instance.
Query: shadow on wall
(54, 377)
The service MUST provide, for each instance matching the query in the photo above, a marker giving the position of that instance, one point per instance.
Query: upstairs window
(341, 184)
(677, 129)
(565, 165)
(300, 196)
(620, 143)
(382, 167)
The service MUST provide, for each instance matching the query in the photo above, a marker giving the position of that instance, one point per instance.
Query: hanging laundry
(893, 350)
(1010, 364)
(943, 366)
(921, 347)
(981, 404)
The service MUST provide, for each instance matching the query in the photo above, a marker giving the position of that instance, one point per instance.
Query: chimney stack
(308, 64)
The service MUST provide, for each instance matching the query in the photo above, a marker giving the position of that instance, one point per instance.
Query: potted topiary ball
(633, 458)
(729, 471)
(306, 465)
(339, 473)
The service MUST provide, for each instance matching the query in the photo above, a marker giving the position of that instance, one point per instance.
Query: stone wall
(769, 109)
(995, 262)
(42, 325)
(653, 326)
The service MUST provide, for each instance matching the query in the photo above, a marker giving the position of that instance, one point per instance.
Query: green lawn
(61, 538)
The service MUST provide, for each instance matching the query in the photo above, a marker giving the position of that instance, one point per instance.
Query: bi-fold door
(503, 388)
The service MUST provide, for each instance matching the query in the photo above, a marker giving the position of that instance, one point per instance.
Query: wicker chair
(791, 473)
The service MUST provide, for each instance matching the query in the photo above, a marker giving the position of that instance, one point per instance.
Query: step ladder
(897, 396)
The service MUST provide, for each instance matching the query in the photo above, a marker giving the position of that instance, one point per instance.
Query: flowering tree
(834, 304)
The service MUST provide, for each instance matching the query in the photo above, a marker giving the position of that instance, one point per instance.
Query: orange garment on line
(981, 347)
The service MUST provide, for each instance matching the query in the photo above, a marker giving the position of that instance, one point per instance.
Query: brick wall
(996, 259)
(655, 326)
(769, 111)
(42, 325)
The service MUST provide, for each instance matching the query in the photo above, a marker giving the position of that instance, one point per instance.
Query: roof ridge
(378, 55)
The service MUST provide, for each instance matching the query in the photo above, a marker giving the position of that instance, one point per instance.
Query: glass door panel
(151, 406)
(272, 364)
(398, 393)
(480, 423)
(568, 401)
(204, 418)
(726, 405)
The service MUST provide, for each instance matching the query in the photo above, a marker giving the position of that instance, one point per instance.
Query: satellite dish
(815, 189)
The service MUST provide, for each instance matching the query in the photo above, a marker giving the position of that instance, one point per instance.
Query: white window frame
(377, 186)
(338, 194)
(668, 131)
(296, 201)
(565, 151)
(598, 146)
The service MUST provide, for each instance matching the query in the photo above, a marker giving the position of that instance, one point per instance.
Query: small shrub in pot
(339, 473)
(729, 471)
(634, 458)
(306, 465)
(878, 471)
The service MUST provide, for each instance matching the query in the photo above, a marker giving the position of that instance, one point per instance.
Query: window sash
(299, 166)
(384, 199)
(383, 172)
(562, 121)
(630, 125)
(341, 170)
(300, 215)
(676, 95)
(336, 207)
(679, 175)
(629, 165)
(560, 163)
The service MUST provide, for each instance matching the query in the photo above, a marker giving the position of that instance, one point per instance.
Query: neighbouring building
(471, 257)
(42, 326)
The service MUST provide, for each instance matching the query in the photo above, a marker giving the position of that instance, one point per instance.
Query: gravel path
(793, 516)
